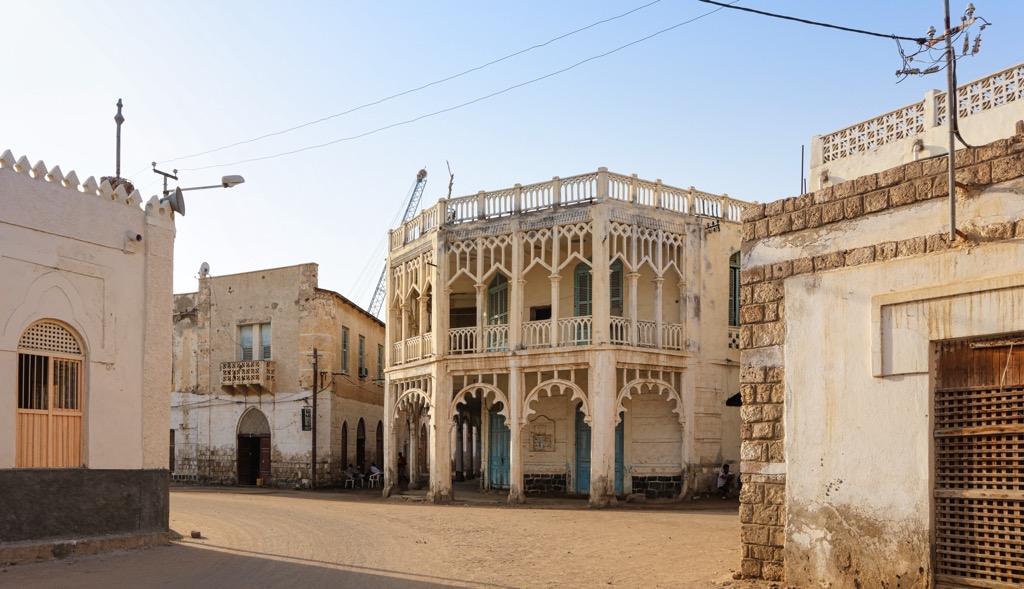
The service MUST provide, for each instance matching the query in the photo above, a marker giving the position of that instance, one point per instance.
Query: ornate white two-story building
(515, 357)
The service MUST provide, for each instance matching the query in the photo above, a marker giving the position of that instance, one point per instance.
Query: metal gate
(979, 463)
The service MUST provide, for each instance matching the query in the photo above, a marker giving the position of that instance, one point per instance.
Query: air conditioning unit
(364, 372)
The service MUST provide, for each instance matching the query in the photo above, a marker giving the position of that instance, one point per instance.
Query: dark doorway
(344, 445)
(361, 446)
(378, 459)
(253, 458)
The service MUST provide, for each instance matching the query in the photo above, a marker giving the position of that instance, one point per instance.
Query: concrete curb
(57, 549)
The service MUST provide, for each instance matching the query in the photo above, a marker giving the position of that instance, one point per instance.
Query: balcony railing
(573, 331)
(560, 192)
(248, 375)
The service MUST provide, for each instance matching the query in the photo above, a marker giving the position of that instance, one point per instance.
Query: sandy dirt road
(269, 538)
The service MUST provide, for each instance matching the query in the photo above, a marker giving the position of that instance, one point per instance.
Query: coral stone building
(571, 336)
(241, 410)
(85, 276)
(883, 361)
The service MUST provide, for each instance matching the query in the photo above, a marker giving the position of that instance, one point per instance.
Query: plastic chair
(375, 479)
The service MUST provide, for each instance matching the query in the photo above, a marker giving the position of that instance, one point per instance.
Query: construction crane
(410, 211)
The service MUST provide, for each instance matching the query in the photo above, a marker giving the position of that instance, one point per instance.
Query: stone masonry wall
(762, 311)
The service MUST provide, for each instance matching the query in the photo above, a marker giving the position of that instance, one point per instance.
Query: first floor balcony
(245, 376)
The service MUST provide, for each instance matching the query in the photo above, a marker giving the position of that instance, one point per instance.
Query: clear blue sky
(723, 104)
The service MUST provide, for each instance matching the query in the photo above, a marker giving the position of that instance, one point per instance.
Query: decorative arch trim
(410, 399)
(551, 387)
(484, 390)
(253, 423)
(643, 386)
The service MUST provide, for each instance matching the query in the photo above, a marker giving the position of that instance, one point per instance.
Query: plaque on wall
(542, 435)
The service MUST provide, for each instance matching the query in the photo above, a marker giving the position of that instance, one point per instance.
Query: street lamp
(177, 200)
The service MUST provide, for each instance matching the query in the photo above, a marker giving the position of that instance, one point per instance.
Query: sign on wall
(542, 435)
(307, 418)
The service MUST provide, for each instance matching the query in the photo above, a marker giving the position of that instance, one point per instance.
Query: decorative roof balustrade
(988, 93)
(560, 192)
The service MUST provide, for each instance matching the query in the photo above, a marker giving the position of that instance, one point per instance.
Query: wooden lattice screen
(979, 463)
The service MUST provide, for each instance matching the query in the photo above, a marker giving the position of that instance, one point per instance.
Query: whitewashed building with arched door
(573, 336)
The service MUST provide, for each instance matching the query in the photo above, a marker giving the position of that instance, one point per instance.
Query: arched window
(344, 445)
(583, 289)
(50, 397)
(497, 313)
(734, 290)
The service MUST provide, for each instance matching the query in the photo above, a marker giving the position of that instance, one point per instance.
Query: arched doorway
(498, 445)
(344, 445)
(378, 458)
(361, 446)
(253, 447)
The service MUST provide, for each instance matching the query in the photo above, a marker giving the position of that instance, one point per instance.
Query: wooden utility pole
(314, 387)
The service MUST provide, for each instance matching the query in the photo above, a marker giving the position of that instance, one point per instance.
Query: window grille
(344, 349)
(50, 337)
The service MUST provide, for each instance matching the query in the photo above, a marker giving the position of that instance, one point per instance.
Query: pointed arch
(642, 386)
(253, 423)
(557, 386)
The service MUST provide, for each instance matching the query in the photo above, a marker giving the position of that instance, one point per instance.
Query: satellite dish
(176, 200)
(204, 270)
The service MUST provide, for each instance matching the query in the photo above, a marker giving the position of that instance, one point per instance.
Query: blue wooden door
(619, 447)
(582, 454)
(498, 452)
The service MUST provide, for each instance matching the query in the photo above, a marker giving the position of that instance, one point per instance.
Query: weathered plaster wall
(99, 262)
(844, 291)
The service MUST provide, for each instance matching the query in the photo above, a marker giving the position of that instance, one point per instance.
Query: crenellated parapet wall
(70, 181)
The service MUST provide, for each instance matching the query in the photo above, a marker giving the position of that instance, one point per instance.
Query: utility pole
(951, 114)
(316, 385)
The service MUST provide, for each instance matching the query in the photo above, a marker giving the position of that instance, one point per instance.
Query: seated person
(724, 481)
(354, 475)
(373, 469)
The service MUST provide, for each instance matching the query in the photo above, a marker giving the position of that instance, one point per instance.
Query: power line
(418, 88)
(919, 40)
(464, 104)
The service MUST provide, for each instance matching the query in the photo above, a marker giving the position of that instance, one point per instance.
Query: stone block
(773, 571)
(746, 295)
(934, 166)
(752, 275)
(764, 393)
(764, 553)
(774, 374)
(913, 170)
(774, 495)
(746, 337)
(753, 213)
(754, 451)
(803, 201)
(803, 266)
(885, 251)
(778, 394)
(1018, 230)
(890, 177)
(761, 229)
(937, 243)
(746, 513)
(861, 255)
(844, 189)
(752, 534)
(751, 314)
(771, 312)
(768, 515)
(774, 208)
(910, 247)
(771, 412)
(782, 270)
(750, 568)
(780, 224)
(996, 231)
(853, 207)
(832, 212)
(767, 292)
(993, 150)
(749, 232)
(777, 537)
(822, 195)
(829, 261)
(752, 493)
(752, 374)
(964, 157)
(906, 193)
(750, 413)
(789, 204)
(1008, 168)
(748, 393)
(876, 201)
(769, 334)
(976, 175)
(776, 452)
(762, 431)
(799, 219)
(865, 184)
(814, 217)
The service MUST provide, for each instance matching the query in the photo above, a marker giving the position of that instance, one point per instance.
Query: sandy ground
(273, 538)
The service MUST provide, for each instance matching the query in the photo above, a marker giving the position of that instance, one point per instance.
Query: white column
(440, 438)
(658, 312)
(516, 410)
(555, 278)
(467, 451)
(389, 462)
(518, 283)
(602, 424)
(485, 429)
(601, 270)
(457, 445)
(481, 302)
(413, 459)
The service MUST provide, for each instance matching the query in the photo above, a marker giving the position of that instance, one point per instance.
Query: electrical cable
(919, 40)
(464, 104)
(418, 88)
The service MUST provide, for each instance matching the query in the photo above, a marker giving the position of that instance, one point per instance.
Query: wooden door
(582, 485)
(619, 451)
(245, 474)
(499, 443)
(978, 490)
(264, 444)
